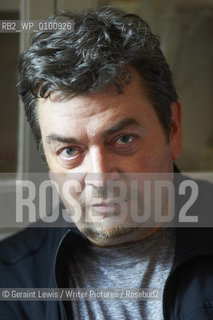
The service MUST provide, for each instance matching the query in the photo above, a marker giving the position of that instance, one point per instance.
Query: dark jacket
(37, 258)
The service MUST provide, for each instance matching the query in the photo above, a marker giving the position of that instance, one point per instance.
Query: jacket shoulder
(22, 244)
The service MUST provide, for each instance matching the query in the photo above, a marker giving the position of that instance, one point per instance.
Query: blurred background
(185, 28)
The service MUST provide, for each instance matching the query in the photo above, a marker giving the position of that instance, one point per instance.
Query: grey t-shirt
(145, 264)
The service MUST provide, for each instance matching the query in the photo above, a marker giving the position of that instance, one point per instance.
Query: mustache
(103, 193)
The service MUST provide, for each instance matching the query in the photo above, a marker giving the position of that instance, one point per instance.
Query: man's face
(102, 137)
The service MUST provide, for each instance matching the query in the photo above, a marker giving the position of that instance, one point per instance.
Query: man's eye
(125, 139)
(69, 152)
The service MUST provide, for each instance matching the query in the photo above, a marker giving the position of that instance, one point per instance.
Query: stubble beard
(112, 226)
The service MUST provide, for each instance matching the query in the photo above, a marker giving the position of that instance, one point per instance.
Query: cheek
(137, 163)
(149, 160)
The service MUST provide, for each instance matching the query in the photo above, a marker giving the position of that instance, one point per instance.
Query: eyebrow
(54, 137)
(121, 125)
(115, 128)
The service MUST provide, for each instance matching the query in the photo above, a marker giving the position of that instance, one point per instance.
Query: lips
(106, 207)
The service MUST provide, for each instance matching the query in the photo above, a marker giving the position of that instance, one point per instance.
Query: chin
(108, 234)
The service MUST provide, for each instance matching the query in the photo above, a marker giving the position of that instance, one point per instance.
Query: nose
(101, 167)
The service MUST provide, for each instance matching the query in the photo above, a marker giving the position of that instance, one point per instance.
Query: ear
(176, 130)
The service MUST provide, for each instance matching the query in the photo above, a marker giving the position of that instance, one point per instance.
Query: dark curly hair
(92, 55)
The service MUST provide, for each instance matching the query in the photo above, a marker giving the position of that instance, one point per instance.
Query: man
(102, 106)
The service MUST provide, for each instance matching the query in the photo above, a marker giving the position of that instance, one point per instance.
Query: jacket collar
(71, 238)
